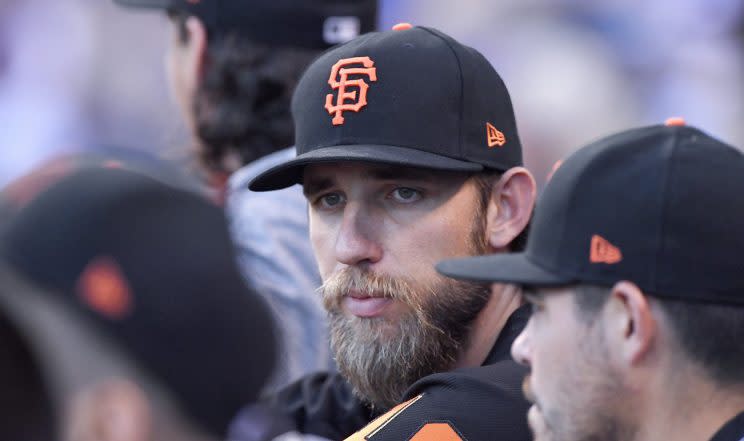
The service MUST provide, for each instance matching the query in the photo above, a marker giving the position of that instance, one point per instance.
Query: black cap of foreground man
(660, 206)
(150, 267)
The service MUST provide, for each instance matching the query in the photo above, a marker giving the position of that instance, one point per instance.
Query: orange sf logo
(339, 80)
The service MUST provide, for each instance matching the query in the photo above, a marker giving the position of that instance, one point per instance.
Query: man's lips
(362, 305)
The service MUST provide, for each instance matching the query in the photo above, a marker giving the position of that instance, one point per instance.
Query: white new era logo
(341, 29)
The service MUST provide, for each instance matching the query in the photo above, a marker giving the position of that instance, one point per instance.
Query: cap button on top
(675, 121)
(402, 27)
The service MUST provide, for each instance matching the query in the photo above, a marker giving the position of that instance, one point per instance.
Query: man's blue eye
(330, 200)
(405, 194)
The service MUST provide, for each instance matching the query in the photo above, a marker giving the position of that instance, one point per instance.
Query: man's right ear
(185, 64)
(631, 326)
(196, 50)
(510, 207)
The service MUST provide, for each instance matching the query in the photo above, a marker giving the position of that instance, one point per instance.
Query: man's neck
(505, 299)
(692, 412)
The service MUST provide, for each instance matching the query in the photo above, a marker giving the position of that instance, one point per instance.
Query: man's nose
(357, 241)
(520, 349)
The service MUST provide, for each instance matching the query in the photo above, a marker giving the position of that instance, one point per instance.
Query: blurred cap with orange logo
(151, 267)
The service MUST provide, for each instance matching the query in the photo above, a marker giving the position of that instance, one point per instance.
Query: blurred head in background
(233, 65)
(125, 293)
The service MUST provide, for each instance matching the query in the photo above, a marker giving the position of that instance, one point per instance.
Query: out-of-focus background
(77, 74)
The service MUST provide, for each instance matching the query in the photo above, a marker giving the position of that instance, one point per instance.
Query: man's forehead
(321, 175)
(369, 170)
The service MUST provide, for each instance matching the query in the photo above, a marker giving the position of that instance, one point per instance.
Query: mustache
(527, 389)
(350, 279)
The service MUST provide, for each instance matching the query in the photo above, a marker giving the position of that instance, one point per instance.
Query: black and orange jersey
(478, 404)
(468, 402)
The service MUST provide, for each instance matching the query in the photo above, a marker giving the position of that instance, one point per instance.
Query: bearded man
(408, 153)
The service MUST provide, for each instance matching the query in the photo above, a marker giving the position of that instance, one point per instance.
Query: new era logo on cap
(602, 251)
(495, 137)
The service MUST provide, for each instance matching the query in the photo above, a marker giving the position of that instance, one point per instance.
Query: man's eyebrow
(312, 186)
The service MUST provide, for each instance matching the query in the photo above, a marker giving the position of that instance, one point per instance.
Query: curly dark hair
(242, 106)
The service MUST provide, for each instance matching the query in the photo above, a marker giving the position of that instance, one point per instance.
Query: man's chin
(372, 331)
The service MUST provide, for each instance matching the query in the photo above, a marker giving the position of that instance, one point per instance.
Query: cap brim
(154, 4)
(505, 268)
(290, 173)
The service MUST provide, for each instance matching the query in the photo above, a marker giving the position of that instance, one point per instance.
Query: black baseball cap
(412, 96)
(317, 24)
(660, 206)
(152, 268)
(20, 191)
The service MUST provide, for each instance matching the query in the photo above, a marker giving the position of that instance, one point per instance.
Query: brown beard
(382, 358)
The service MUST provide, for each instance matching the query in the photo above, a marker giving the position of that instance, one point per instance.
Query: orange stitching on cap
(402, 26)
(495, 137)
(602, 251)
(24, 189)
(437, 432)
(103, 287)
(675, 121)
(554, 169)
(340, 69)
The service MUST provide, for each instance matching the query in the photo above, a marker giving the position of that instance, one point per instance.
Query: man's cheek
(324, 256)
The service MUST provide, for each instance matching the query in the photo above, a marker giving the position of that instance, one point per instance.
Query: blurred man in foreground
(127, 294)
